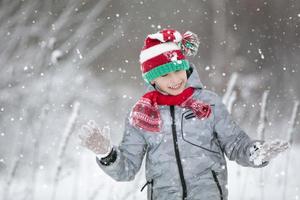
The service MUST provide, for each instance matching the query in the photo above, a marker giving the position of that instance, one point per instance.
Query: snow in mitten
(260, 153)
(95, 139)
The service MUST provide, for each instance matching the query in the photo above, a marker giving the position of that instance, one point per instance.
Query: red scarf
(145, 113)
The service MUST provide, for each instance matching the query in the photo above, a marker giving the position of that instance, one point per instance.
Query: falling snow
(88, 51)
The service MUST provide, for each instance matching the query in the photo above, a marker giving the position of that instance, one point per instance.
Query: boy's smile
(172, 83)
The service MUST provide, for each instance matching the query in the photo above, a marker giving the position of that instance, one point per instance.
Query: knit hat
(165, 51)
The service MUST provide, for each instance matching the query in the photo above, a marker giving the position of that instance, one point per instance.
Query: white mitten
(96, 140)
(260, 153)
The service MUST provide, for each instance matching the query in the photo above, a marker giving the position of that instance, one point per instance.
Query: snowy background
(65, 62)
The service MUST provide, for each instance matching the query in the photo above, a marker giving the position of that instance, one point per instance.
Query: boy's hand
(261, 153)
(95, 139)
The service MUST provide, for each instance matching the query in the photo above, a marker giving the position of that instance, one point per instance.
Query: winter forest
(65, 62)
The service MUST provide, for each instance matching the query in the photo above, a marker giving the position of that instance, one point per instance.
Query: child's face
(172, 83)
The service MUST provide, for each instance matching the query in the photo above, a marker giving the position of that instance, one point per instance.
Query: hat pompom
(189, 44)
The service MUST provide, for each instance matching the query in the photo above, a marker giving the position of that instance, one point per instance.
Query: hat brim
(165, 69)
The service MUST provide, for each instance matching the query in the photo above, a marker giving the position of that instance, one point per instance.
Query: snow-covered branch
(262, 116)
(64, 143)
(229, 89)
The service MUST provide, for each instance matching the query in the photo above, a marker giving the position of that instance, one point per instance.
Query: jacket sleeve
(129, 155)
(234, 142)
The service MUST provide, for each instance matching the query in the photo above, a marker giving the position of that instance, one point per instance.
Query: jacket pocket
(197, 132)
(215, 176)
(149, 185)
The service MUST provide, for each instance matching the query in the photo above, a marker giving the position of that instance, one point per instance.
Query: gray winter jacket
(186, 159)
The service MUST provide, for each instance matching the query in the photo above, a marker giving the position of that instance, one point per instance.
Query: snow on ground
(88, 181)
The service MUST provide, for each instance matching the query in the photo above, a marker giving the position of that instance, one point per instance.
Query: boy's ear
(189, 71)
(153, 84)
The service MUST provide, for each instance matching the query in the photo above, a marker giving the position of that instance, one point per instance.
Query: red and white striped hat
(165, 51)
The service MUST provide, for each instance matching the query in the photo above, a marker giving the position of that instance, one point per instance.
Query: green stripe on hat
(165, 68)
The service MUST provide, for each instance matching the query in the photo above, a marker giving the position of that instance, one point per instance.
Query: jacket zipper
(217, 182)
(149, 182)
(179, 165)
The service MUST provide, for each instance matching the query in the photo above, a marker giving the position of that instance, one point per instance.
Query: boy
(184, 130)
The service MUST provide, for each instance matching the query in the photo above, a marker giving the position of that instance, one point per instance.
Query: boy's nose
(173, 78)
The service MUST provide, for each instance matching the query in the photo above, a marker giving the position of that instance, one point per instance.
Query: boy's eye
(177, 70)
(164, 75)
